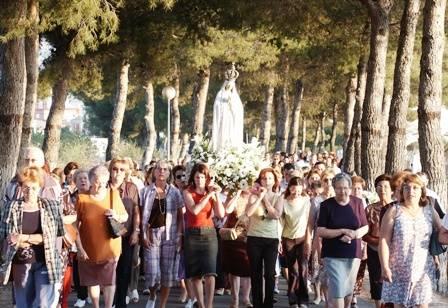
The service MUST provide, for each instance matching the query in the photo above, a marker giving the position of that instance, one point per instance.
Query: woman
(187, 294)
(296, 240)
(81, 179)
(98, 252)
(263, 236)
(406, 266)
(68, 199)
(341, 224)
(162, 229)
(119, 169)
(316, 272)
(384, 191)
(235, 261)
(32, 257)
(201, 243)
(358, 186)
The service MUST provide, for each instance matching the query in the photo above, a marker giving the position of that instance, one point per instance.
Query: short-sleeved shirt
(335, 216)
(94, 229)
(173, 202)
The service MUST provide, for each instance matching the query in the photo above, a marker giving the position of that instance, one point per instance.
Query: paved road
(224, 301)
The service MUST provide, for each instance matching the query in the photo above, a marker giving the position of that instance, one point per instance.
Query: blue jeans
(32, 286)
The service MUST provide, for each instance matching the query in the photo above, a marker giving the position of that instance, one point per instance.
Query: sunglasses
(180, 176)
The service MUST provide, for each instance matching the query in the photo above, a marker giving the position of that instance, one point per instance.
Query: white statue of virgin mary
(228, 114)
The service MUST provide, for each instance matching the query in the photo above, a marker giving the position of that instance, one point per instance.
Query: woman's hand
(13, 239)
(346, 239)
(133, 239)
(82, 254)
(386, 274)
(110, 212)
(214, 188)
(350, 233)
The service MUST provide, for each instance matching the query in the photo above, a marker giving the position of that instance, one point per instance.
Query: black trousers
(124, 269)
(374, 266)
(297, 270)
(81, 291)
(262, 253)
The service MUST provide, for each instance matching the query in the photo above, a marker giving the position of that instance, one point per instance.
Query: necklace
(161, 209)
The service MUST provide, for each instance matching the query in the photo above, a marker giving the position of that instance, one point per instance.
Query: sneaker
(146, 292)
(151, 303)
(80, 303)
(127, 300)
(190, 303)
(89, 301)
(276, 290)
(227, 291)
(219, 292)
(134, 296)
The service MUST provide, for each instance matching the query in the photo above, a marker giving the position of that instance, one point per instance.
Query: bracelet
(137, 230)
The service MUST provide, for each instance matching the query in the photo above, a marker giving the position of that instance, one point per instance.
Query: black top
(335, 216)
(158, 214)
(31, 224)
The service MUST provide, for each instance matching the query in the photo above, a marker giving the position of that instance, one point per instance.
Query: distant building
(73, 115)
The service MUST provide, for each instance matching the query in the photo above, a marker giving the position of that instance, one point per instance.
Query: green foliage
(73, 147)
(130, 149)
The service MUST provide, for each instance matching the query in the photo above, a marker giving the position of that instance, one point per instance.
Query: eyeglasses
(180, 176)
(119, 169)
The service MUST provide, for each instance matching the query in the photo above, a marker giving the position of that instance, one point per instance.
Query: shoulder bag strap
(111, 198)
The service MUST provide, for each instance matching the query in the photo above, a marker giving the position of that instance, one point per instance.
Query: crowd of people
(102, 229)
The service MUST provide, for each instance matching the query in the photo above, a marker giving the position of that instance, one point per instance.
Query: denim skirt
(341, 275)
(200, 252)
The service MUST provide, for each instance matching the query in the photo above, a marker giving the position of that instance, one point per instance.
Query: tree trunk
(385, 111)
(184, 150)
(52, 135)
(118, 113)
(32, 74)
(316, 136)
(430, 97)
(396, 146)
(282, 119)
(175, 141)
(199, 101)
(371, 152)
(267, 116)
(149, 123)
(12, 96)
(350, 101)
(322, 132)
(295, 117)
(333, 127)
(303, 134)
(352, 160)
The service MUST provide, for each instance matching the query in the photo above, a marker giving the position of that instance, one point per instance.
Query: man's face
(33, 159)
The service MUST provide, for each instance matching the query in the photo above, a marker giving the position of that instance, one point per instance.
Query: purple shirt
(335, 216)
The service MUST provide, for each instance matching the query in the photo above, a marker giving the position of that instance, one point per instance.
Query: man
(34, 157)
(119, 169)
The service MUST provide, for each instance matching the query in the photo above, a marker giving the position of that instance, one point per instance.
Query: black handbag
(116, 229)
(435, 248)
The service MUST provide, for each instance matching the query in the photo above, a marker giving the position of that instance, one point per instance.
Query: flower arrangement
(232, 168)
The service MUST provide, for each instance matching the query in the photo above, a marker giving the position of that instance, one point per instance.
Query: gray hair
(341, 177)
(97, 171)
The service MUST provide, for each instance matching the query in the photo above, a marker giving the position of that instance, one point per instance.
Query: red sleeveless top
(204, 217)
